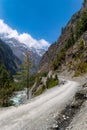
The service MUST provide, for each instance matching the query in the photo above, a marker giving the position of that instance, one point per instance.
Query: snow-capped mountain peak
(9, 35)
(21, 43)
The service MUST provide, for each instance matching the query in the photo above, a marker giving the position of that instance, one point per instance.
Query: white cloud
(23, 38)
(4, 28)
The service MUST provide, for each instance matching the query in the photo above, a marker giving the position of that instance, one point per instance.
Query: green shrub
(81, 68)
(81, 45)
(6, 88)
(40, 91)
(59, 59)
(51, 82)
(77, 73)
(81, 25)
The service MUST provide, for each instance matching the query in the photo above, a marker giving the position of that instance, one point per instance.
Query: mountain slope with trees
(8, 59)
(69, 52)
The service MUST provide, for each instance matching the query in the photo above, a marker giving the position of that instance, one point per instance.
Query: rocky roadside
(66, 117)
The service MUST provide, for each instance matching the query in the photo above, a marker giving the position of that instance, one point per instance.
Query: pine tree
(24, 73)
(5, 86)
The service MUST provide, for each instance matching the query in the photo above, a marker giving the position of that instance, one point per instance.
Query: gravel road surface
(39, 113)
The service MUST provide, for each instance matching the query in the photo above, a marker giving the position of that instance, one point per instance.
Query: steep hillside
(7, 58)
(75, 59)
(71, 48)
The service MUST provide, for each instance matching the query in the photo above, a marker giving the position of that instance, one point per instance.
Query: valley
(43, 85)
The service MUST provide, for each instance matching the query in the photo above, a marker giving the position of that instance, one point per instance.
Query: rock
(69, 112)
(84, 85)
(82, 94)
(64, 117)
(80, 97)
(76, 104)
(55, 126)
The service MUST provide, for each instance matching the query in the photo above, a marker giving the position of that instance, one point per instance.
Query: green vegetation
(6, 87)
(81, 25)
(41, 87)
(40, 91)
(22, 82)
(81, 45)
(38, 78)
(70, 40)
(60, 58)
(75, 33)
(44, 74)
(51, 82)
(24, 74)
(62, 53)
(81, 68)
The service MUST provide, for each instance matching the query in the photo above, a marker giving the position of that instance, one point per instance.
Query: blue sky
(40, 18)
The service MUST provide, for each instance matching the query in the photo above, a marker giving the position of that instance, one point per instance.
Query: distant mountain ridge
(15, 42)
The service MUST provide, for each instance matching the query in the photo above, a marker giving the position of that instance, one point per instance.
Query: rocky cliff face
(58, 55)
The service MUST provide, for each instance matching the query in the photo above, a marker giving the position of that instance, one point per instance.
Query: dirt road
(39, 113)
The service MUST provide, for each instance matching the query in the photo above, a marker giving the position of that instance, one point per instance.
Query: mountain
(7, 58)
(69, 52)
(20, 49)
(21, 43)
